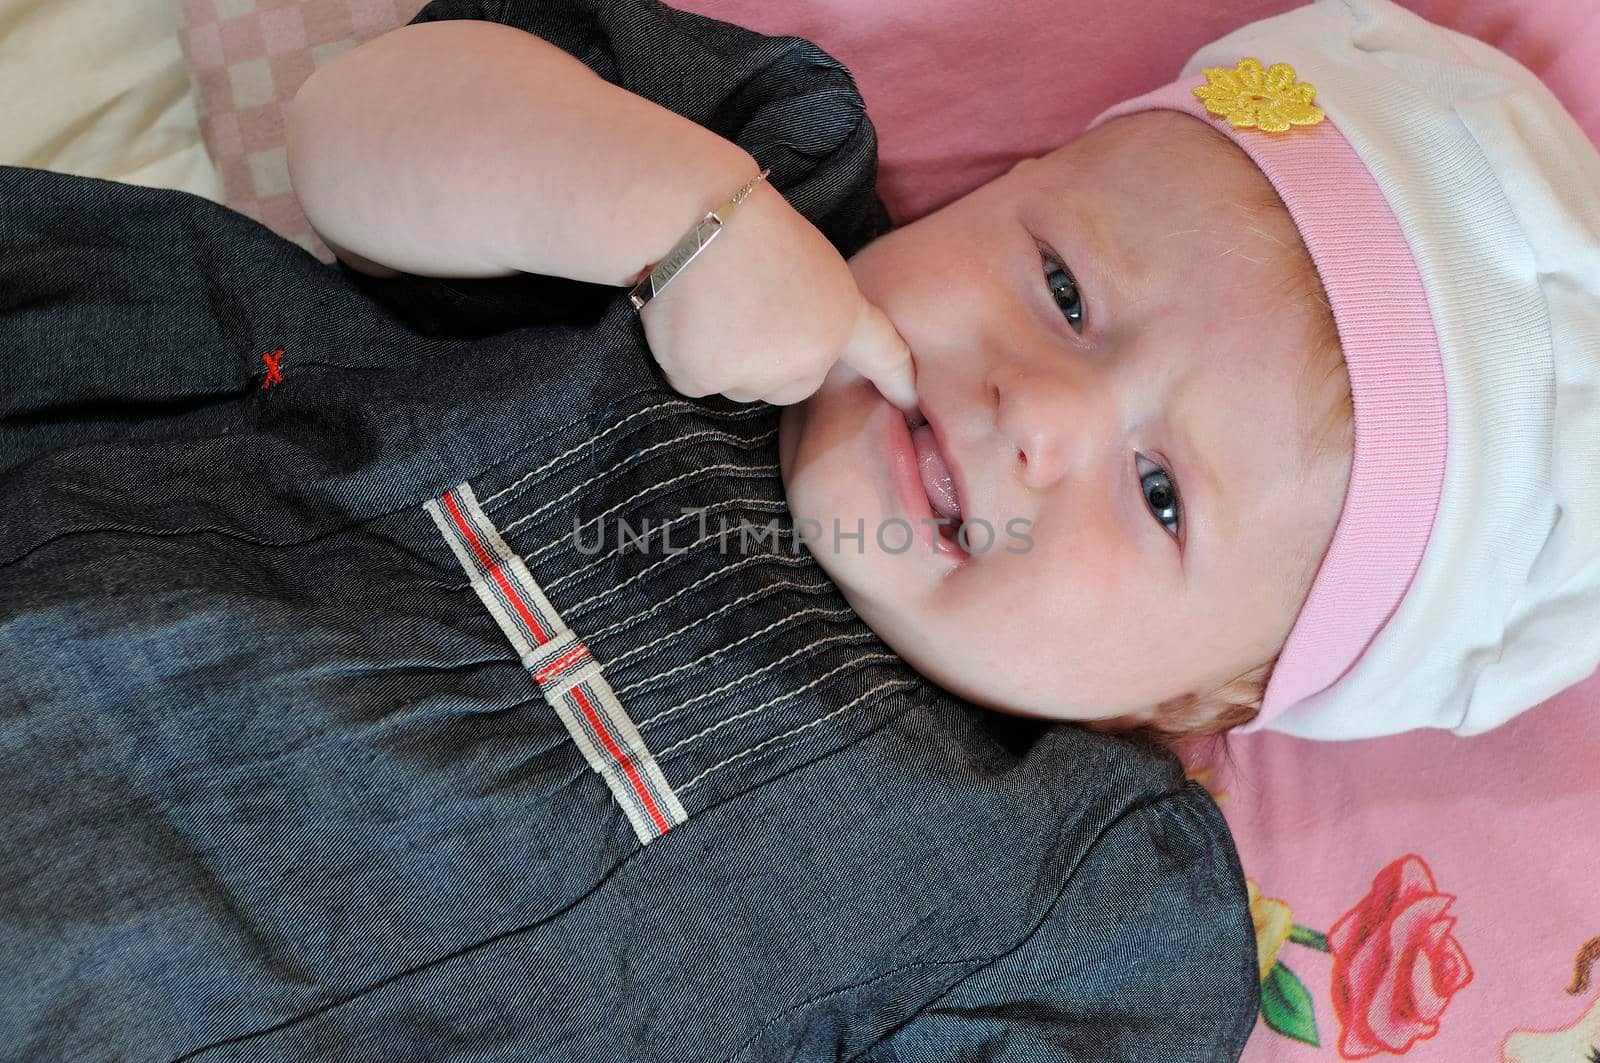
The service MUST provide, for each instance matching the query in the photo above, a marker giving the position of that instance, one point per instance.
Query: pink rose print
(1395, 963)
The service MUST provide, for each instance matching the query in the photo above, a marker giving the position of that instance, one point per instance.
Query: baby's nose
(1053, 419)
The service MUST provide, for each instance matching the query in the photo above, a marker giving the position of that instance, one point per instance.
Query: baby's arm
(465, 148)
(471, 149)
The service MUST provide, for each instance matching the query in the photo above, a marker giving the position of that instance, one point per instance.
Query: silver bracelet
(659, 275)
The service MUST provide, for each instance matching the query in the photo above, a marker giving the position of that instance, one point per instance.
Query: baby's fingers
(794, 391)
(878, 352)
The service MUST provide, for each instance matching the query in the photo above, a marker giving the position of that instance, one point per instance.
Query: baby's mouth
(936, 478)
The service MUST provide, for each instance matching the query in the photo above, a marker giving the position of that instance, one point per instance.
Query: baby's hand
(767, 309)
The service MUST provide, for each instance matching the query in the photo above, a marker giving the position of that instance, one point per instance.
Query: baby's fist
(766, 310)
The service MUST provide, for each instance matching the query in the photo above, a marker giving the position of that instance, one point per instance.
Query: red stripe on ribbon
(483, 556)
(621, 758)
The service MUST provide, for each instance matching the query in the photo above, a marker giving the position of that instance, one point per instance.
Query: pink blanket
(961, 89)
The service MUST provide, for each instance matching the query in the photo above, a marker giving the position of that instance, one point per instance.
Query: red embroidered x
(274, 374)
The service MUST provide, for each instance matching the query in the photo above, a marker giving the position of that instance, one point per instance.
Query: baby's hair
(1237, 701)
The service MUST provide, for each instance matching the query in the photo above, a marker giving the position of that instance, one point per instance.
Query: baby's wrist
(682, 221)
(655, 277)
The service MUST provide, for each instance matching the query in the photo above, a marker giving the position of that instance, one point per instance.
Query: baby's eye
(1160, 494)
(1063, 289)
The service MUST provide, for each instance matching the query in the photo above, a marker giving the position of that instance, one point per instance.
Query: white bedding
(100, 88)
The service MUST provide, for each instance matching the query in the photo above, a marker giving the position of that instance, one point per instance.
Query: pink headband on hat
(1391, 350)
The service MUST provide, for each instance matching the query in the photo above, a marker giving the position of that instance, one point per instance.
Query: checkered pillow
(248, 58)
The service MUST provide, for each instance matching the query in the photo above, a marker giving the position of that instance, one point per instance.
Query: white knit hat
(1452, 209)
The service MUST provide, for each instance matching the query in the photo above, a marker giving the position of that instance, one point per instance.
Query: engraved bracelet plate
(693, 242)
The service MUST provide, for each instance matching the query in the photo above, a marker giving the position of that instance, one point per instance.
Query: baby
(329, 733)
(1109, 404)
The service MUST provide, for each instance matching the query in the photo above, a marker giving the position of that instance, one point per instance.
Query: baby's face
(1155, 503)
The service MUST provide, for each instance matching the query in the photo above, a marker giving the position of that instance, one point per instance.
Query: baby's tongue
(935, 476)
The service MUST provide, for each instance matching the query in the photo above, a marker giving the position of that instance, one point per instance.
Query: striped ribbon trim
(570, 679)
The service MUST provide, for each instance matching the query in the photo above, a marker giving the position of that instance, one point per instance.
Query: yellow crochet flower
(1249, 96)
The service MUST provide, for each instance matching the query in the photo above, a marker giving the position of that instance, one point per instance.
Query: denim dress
(340, 719)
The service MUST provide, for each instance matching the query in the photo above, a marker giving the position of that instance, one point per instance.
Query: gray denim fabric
(274, 785)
